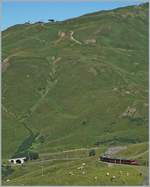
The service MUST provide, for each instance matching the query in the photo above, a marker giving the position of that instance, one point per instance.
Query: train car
(118, 160)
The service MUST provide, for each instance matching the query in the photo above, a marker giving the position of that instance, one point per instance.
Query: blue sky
(20, 12)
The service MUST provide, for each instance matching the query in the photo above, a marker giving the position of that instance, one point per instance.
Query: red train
(118, 160)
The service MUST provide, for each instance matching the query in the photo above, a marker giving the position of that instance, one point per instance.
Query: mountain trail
(73, 39)
(51, 82)
(140, 154)
(57, 159)
(62, 36)
(70, 150)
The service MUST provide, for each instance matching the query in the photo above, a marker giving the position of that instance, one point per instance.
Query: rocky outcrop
(61, 34)
(129, 112)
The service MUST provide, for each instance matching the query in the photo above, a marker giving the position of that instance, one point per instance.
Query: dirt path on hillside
(57, 159)
(47, 89)
(139, 155)
(68, 151)
(51, 82)
(65, 35)
(73, 39)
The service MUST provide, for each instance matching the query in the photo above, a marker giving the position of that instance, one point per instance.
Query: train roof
(108, 156)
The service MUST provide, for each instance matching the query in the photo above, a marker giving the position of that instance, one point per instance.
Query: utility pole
(42, 170)
(28, 155)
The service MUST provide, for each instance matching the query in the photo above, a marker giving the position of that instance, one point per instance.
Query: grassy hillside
(76, 168)
(75, 84)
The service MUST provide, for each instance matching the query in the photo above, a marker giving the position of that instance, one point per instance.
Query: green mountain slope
(77, 83)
